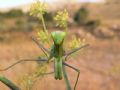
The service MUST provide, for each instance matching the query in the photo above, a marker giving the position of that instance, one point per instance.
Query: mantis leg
(22, 60)
(41, 46)
(77, 70)
(75, 50)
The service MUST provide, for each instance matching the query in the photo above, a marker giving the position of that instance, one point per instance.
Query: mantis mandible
(58, 55)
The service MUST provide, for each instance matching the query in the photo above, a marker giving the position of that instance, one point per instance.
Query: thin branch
(43, 22)
(48, 73)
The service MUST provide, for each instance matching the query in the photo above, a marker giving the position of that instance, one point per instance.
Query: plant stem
(44, 26)
(43, 22)
(8, 83)
(66, 79)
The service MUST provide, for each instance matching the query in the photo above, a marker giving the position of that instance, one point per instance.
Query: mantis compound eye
(58, 37)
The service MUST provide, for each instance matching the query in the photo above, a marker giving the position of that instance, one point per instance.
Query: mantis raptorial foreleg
(77, 70)
(23, 60)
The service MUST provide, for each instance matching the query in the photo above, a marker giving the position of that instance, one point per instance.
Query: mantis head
(58, 37)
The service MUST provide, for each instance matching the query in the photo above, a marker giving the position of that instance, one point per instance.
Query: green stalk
(44, 26)
(8, 83)
(66, 79)
(43, 22)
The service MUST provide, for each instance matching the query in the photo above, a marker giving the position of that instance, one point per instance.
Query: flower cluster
(43, 36)
(61, 18)
(37, 8)
(76, 42)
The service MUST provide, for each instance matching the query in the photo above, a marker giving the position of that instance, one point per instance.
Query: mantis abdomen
(58, 69)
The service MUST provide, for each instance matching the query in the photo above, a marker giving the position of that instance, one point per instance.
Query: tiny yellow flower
(61, 18)
(37, 8)
(43, 36)
(76, 42)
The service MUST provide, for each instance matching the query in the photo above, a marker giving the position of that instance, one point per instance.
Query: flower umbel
(61, 18)
(43, 36)
(37, 8)
(76, 42)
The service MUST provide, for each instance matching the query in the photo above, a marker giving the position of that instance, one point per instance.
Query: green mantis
(57, 52)
(57, 55)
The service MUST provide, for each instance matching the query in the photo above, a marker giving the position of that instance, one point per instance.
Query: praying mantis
(60, 56)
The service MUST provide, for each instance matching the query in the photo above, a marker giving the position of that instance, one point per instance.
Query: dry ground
(99, 64)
